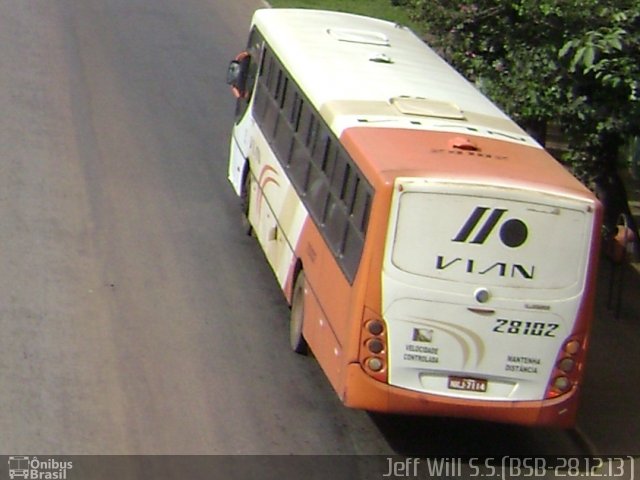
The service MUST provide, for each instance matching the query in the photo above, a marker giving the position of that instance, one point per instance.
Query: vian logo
(513, 232)
(476, 230)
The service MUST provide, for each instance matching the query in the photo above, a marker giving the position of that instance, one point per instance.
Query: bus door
(481, 289)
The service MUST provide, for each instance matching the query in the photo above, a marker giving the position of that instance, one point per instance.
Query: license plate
(468, 384)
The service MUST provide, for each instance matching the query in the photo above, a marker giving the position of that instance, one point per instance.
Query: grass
(372, 8)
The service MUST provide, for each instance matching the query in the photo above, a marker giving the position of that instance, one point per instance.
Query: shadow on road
(609, 408)
(424, 436)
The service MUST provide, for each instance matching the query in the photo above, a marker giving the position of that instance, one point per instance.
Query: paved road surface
(135, 316)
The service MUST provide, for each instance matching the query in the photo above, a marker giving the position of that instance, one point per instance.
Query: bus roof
(433, 156)
(363, 74)
(357, 70)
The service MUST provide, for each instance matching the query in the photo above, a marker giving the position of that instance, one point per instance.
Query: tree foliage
(572, 63)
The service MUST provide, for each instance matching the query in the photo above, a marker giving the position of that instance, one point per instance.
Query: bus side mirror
(233, 73)
(237, 74)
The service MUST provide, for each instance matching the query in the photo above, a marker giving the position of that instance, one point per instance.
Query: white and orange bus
(436, 259)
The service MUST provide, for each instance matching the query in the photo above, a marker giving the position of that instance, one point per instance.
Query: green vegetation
(571, 63)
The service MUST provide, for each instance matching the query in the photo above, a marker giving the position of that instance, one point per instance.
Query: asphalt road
(135, 315)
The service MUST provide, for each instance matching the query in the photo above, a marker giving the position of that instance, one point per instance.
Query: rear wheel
(296, 338)
(244, 202)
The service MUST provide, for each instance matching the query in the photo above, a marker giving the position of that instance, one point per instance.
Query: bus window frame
(310, 154)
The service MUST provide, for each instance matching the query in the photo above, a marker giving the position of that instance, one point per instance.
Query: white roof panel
(338, 57)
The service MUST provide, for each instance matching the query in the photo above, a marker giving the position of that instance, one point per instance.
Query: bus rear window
(493, 241)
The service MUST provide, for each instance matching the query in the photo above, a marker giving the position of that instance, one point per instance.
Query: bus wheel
(244, 202)
(296, 339)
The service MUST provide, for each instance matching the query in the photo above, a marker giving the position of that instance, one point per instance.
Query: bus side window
(279, 88)
(321, 148)
(330, 161)
(317, 193)
(283, 132)
(336, 225)
(338, 174)
(352, 251)
(269, 73)
(311, 132)
(295, 111)
(361, 207)
(299, 159)
(299, 164)
(262, 101)
(357, 224)
(318, 188)
(290, 105)
(349, 188)
(275, 85)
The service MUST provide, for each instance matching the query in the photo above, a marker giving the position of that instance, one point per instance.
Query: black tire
(296, 337)
(244, 203)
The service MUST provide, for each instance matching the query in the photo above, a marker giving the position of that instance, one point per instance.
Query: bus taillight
(567, 368)
(373, 350)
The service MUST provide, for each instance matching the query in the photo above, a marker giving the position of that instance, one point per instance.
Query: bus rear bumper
(363, 392)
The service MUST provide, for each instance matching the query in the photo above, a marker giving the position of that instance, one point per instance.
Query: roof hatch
(426, 107)
(359, 36)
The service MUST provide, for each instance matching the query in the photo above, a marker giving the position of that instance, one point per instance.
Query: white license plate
(468, 384)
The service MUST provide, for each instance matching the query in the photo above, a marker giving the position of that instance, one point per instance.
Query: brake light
(567, 367)
(373, 347)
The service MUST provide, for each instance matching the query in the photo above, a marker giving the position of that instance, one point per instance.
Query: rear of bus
(486, 282)
(473, 293)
